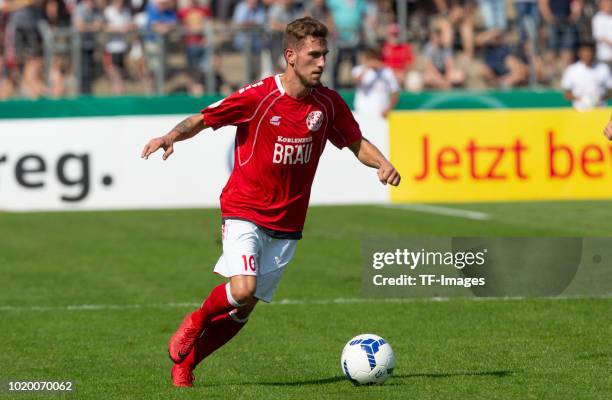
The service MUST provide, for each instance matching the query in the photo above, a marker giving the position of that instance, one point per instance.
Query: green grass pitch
(145, 265)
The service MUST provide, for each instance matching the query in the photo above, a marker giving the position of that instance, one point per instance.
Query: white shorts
(247, 250)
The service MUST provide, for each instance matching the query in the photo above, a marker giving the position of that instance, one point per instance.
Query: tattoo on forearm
(184, 127)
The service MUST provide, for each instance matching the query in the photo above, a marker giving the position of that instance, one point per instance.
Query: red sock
(219, 331)
(218, 302)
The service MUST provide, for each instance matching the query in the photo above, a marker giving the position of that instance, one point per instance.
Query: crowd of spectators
(435, 44)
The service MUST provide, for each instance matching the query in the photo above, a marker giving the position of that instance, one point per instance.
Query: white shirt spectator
(602, 30)
(117, 18)
(588, 84)
(373, 93)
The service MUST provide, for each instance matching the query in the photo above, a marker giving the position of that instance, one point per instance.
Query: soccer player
(283, 123)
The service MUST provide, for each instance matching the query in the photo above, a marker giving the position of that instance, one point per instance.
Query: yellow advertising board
(501, 155)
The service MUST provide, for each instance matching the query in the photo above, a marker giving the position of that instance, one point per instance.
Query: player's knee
(243, 289)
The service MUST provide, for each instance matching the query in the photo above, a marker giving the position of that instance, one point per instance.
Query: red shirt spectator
(396, 55)
(193, 17)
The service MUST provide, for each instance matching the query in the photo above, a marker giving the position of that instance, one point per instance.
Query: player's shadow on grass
(395, 379)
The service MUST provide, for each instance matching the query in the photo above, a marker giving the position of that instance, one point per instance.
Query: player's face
(310, 61)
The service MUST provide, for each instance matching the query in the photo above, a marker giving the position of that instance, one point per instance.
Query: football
(367, 360)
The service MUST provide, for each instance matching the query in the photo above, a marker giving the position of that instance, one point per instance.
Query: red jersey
(279, 140)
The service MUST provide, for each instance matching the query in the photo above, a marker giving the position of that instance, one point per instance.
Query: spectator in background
(136, 62)
(24, 49)
(528, 23)
(6, 83)
(378, 16)
(528, 19)
(249, 19)
(501, 66)
(461, 14)
(377, 89)
(249, 14)
(223, 9)
(56, 17)
(587, 82)
(56, 14)
(280, 13)
(138, 6)
(88, 20)
(440, 70)
(348, 19)
(161, 16)
(602, 31)
(118, 24)
(161, 19)
(194, 17)
(397, 55)
(493, 13)
(419, 14)
(317, 9)
(561, 17)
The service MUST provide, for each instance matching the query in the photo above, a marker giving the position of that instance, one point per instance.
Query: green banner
(183, 104)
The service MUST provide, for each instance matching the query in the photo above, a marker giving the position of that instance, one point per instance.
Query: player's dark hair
(301, 28)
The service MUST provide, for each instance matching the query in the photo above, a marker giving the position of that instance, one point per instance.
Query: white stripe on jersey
(257, 132)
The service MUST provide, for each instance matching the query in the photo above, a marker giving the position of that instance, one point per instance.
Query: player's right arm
(186, 129)
(236, 109)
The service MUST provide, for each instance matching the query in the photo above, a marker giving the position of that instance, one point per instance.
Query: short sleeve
(391, 80)
(235, 109)
(566, 80)
(345, 130)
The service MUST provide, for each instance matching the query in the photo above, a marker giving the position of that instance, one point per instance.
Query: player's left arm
(393, 100)
(369, 155)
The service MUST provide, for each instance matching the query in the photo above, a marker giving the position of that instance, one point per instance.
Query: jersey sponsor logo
(314, 120)
(283, 139)
(292, 153)
(275, 120)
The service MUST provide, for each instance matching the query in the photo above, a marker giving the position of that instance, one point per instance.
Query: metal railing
(253, 55)
(155, 52)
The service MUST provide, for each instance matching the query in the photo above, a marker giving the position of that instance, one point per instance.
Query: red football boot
(182, 376)
(183, 340)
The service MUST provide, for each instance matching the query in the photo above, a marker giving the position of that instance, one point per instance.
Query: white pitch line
(452, 212)
(284, 302)
(94, 307)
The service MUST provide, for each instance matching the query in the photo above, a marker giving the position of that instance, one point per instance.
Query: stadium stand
(66, 48)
